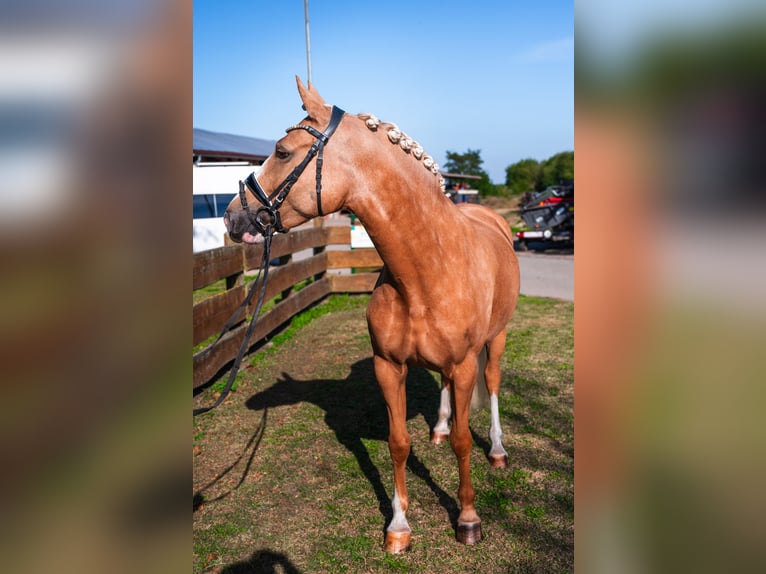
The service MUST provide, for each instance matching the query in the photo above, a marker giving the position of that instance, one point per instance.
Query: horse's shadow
(355, 410)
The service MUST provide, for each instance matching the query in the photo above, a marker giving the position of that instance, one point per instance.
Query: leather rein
(267, 221)
(267, 216)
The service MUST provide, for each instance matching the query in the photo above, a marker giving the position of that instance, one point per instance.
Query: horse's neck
(410, 222)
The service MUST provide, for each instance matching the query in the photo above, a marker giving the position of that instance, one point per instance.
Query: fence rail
(231, 263)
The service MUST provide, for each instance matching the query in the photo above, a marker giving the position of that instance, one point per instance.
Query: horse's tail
(480, 397)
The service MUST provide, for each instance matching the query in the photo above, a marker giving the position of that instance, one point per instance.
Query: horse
(449, 284)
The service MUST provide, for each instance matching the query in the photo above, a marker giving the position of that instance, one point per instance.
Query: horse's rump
(485, 217)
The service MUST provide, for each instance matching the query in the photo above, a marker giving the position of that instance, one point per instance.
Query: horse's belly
(436, 353)
(399, 337)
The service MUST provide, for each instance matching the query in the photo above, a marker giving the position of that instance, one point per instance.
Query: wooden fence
(230, 263)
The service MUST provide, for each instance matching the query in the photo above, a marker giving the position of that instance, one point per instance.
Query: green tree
(529, 174)
(522, 176)
(470, 163)
(556, 168)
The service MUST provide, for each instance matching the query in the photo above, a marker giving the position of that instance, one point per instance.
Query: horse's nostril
(226, 220)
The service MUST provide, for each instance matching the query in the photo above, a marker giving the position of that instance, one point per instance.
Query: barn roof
(207, 143)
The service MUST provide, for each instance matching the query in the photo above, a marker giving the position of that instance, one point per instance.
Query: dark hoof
(397, 542)
(438, 438)
(468, 532)
(498, 460)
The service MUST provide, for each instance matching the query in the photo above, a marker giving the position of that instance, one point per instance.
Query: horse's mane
(405, 143)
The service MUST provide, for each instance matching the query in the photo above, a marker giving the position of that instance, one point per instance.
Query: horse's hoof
(439, 437)
(468, 532)
(498, 460)
(397, 542)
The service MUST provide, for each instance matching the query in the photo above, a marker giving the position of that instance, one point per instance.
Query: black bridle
(266, 221)
(267, 216)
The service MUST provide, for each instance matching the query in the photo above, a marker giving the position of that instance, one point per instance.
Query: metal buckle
(266, 218)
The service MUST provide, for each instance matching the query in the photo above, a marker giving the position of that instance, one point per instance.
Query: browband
(268, 214)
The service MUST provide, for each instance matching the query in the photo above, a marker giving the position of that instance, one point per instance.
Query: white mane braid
(406, 143)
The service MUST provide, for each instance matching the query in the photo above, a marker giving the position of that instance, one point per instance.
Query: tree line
(522, 176)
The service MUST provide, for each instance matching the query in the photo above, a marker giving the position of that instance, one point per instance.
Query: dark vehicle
(548, 215)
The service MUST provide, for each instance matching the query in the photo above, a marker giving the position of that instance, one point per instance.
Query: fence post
(239, 277)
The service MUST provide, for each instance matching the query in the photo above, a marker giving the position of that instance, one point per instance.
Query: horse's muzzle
(237, 224)
(245, 228)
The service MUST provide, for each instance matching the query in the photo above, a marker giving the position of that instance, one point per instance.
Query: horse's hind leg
(441, 428)
(391, 378)
(497, 455)
(479, 399)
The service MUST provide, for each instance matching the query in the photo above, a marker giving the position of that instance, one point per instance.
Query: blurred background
(670, 317)
(95, 136)
(95, 133)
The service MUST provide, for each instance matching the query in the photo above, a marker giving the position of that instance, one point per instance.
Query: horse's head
(298, 181)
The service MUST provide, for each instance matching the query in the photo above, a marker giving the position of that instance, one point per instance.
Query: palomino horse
(448, 288)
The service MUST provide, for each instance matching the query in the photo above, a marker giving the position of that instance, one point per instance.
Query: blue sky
(490, 75)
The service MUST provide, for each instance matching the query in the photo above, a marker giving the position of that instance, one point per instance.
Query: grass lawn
(292, 473)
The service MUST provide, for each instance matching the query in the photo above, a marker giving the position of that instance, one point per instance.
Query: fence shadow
(355, 410)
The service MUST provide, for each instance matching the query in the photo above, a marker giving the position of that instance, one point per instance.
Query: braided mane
(405, 142)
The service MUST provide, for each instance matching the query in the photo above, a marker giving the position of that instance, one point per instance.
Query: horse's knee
(461, 442)
(399, 446)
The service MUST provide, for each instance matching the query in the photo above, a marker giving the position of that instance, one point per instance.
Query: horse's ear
(313, 102)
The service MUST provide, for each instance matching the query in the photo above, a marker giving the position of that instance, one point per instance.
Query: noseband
(267, 216)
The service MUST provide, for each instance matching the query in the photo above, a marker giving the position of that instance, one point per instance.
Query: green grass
(330, 305)
(205, 292)
(219, 385)
(314, 496)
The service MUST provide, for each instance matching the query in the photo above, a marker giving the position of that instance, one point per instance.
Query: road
(547, 275)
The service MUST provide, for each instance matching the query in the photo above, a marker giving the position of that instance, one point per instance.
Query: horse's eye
(281, 153)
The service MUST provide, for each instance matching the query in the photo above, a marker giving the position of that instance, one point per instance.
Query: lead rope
(263, 274)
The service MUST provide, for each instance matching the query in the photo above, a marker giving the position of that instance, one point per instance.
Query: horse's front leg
(463, 381)
(391, 378)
